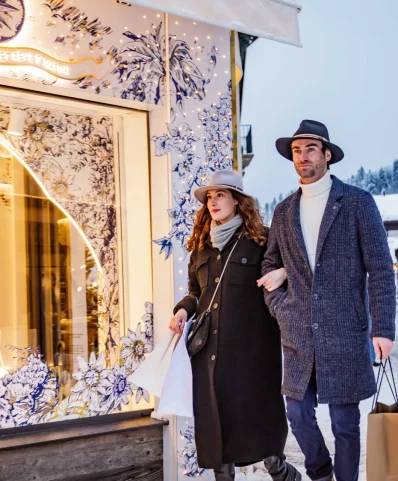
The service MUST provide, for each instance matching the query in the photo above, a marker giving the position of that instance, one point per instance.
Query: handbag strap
(222, 273)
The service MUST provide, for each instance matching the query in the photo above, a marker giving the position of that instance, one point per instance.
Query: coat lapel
(333, 207)
(294, 222)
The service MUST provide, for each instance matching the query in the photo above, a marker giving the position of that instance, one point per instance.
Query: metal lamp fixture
(17, 122)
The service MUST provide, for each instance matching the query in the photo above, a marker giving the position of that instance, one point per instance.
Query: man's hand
(383, 347)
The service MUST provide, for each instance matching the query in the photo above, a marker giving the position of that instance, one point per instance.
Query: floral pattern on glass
(73, 156)
(32, 394)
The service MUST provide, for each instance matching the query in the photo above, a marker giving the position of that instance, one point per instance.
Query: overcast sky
(346, 76)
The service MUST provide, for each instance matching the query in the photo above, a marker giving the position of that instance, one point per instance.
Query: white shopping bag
(176, 397)
(151, 374)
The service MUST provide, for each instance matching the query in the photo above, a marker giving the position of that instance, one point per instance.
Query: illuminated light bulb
(16, 122)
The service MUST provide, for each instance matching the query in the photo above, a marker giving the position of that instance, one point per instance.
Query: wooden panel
(112, 456)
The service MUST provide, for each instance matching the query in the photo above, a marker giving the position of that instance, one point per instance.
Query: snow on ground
(388, 206)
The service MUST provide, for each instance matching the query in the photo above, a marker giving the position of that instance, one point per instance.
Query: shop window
(49, 285)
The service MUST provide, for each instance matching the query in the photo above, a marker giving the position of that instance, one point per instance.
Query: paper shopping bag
(151, 374)
(382, 440)
(176, 397)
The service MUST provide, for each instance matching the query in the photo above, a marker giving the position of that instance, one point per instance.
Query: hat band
(227, 185)
(311, 136)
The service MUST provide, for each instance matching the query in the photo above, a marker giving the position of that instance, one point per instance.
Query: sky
(345, 75)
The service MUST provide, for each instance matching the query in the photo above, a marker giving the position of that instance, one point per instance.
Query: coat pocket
(244, 269)
(202, 271)
(361, 312)
(280, 304)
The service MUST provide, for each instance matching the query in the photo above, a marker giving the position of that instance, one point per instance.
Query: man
(330, 238)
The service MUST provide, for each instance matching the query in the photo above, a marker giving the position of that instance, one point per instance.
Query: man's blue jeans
(345, 426)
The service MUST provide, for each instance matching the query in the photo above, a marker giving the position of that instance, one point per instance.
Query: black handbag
(200, 328)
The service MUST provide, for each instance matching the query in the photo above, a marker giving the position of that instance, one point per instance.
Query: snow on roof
(388, 206)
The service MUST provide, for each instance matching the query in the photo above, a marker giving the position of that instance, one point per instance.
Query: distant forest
(381, 182)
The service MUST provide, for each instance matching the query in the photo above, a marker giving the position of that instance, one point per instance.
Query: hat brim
(200, 192)
(284, 147)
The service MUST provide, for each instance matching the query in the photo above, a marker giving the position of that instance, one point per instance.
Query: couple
(324, 260)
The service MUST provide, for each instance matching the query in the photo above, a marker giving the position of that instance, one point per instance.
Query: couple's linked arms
(186, 308)
(272, 262)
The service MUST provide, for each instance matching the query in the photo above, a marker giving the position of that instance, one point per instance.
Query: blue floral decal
(32, 394)
(188, 457)
(191, 170)
(166, 246)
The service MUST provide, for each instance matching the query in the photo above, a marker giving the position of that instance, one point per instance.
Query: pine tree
(280, 198)
(381, 182)
(361, 177)
(395, 177)
(273, 205)
(267, 216)
(371, 185)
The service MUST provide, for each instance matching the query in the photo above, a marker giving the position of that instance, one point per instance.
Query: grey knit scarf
(220, 234)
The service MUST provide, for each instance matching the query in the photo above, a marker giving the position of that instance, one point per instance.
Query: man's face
(309, 160)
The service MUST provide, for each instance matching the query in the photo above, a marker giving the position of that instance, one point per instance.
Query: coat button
(318, 265)
(213, 357)
(219, 257)
(215, 305)
(334, 207)
(315, 296)
(244, 260)
(315, 325)
(215, 331)
(217, 280)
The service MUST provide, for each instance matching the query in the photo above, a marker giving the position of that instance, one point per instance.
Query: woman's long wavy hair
(252, 227)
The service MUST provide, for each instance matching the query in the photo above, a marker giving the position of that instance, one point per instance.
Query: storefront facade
(110, 115)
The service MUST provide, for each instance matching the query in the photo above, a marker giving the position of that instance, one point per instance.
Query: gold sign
(24, 56)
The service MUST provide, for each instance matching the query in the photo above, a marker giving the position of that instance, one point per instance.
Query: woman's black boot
(226, 473)
(280, 470)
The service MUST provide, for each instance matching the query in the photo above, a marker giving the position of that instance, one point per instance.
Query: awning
(272, 19)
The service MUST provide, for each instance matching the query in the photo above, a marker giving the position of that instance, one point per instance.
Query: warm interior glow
(4, 142)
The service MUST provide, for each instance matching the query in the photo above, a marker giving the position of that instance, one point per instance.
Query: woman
(239, 411)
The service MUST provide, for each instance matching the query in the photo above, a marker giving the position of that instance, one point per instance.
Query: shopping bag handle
(379, 381)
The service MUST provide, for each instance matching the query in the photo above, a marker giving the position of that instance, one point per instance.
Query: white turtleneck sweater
(312, 207)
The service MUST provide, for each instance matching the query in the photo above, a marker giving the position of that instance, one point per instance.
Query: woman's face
(221, 205)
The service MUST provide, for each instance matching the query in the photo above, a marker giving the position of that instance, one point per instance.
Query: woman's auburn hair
(252, 227)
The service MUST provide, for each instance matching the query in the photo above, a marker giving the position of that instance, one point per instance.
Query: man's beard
(306, 173)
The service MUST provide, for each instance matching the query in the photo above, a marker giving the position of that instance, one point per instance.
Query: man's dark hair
(324, 149)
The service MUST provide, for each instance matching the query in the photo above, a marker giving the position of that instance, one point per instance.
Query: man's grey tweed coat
(324, 316)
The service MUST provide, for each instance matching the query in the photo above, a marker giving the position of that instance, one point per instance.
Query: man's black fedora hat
(310, 129)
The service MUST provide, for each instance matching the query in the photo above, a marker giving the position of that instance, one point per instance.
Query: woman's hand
(178, 321)
(273, 279)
